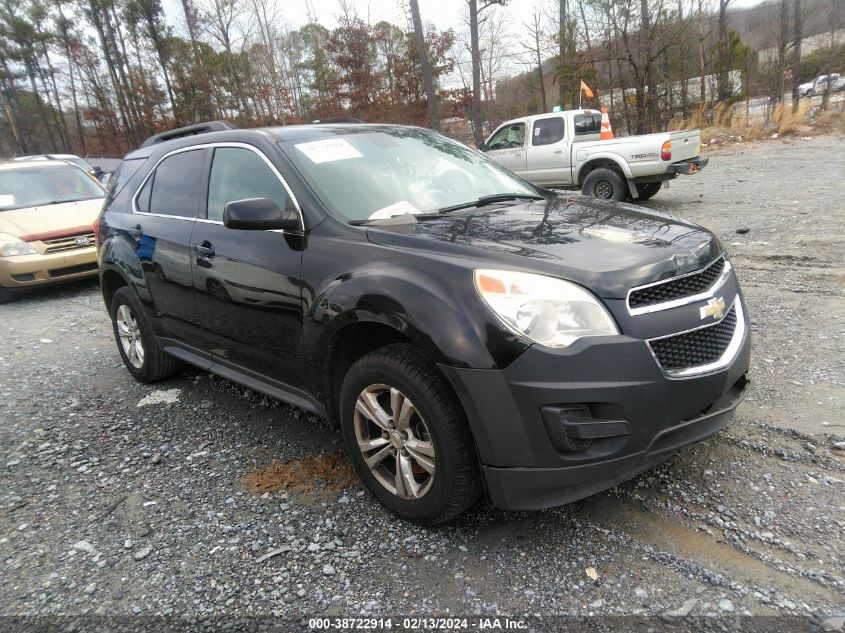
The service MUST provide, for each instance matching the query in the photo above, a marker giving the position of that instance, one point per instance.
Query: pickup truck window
(548, 131)
(587, 123)
(508, 136)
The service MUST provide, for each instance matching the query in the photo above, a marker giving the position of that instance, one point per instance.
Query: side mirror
(482, 147)
(259, 214)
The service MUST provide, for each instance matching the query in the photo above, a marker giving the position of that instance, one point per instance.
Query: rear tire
(427, 441)
(606, 184)
(6, 295)
(136, 341)
(646, 190)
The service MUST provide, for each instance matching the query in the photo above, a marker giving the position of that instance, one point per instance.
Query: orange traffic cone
(606, 131)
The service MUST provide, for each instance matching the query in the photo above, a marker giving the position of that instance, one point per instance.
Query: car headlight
(10, 245)
(549, 311)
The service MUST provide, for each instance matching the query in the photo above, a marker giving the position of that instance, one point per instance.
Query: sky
(444, 14)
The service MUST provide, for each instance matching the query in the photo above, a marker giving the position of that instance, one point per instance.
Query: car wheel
(646, 190)
(604, 183)
(136, 342)
(408, 436)
(6, 295)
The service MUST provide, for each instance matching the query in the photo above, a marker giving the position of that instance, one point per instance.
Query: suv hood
(55, 220)
(606, 246)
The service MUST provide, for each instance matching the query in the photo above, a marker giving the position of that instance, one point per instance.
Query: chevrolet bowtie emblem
(715, 308)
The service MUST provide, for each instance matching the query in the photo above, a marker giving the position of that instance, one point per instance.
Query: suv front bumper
(530, 456)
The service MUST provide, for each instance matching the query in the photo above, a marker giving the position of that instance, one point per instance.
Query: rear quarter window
(587, 123)
(123, 175)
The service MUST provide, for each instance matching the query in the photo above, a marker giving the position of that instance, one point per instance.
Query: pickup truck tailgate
(686, 144)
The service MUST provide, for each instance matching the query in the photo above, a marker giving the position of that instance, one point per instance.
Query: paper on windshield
(329, 150)
(7, 200)
(397, 208)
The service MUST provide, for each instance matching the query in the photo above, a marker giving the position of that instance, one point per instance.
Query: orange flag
(586, 89)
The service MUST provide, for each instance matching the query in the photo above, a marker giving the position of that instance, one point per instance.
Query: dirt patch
(330, 472)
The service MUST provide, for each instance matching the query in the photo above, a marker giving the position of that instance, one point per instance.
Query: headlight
(547, 310)
(10, 245)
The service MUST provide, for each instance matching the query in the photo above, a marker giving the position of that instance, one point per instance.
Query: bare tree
(536, 35)
(724, 51)
(425, 66)
(475, 8)
(797, 35)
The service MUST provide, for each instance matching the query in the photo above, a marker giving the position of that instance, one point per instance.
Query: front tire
(605, 184)
(408, 436)
(136, 341)
(6, 295)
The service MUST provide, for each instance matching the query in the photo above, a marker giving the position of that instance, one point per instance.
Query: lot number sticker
(328, 151)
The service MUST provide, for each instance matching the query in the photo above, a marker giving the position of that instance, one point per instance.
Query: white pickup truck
(564, 150)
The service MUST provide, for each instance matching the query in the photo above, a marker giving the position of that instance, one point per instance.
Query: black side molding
(189, 130)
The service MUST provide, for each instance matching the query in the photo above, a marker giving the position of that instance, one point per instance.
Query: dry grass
(727, 122)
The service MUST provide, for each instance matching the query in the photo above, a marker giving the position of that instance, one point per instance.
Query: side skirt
(242, 376)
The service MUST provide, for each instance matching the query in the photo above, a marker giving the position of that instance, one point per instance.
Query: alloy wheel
(130, 336)
(603, 189)
(395, 441)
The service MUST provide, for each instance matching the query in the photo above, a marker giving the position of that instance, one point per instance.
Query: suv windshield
(32, 186)
(369, 173)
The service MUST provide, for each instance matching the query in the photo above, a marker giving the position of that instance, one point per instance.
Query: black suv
(470, 332)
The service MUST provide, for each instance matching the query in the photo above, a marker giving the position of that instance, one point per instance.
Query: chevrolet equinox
(471, 333)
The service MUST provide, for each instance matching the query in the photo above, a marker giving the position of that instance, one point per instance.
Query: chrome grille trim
(727, 356)
(682, 301)
(68, 243)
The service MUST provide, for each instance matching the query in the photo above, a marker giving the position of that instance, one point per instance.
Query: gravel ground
(118, 498)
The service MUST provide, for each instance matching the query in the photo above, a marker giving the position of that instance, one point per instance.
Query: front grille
(69, 242)
(73, 270)
(677, 288)
(700, 347)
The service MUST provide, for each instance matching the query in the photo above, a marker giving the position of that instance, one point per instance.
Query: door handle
(205, 252)
(136, 231)
(559, 151)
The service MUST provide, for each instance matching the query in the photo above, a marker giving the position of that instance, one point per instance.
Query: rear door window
(547, 131)
(174, 187)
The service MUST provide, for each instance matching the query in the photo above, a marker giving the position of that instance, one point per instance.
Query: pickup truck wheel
(604, 183)
(136, 342)
(646, 190)
(408, 437)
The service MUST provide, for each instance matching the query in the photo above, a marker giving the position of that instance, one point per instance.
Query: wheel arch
(110, 282)
(606, 160)
(348, 344)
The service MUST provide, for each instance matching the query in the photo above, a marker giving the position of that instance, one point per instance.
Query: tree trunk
(477, 132)
(683, 58)
(783, 38)
(561, 51)
(724, 52)
(540, 66)
(701, 69)
(796, 54)
(425, 67)
(190, 19)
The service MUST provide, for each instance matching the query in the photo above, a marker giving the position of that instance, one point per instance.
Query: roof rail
(340, 119)
(189, 130)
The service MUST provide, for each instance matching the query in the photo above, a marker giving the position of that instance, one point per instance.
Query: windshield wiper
(491, 199)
